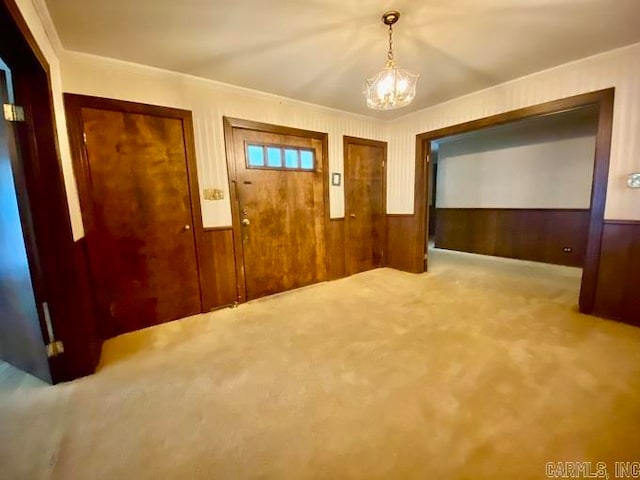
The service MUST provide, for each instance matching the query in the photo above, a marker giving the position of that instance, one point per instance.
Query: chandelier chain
(390, 52)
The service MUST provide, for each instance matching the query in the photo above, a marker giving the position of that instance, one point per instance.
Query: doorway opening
(520, 190)
(596, 105)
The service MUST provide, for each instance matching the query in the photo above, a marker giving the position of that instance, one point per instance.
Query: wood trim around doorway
(604, 100)
(20, 22)
(73, 108)
(229, 124)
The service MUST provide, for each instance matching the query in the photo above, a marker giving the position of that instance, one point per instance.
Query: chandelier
(392, 87)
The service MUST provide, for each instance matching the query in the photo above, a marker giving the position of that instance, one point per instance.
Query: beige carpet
(480, 369)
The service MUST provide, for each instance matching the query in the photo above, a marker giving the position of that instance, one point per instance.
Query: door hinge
(55, 348)
(383, 163)
(84, 137)
(13, 113)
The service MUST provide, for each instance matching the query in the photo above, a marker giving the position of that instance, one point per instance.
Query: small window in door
(280, 157)
(274, 157)
(255, 156)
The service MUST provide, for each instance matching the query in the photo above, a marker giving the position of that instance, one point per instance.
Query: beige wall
(619, 68)
(540, 163)
(210, 101)
(542, 175)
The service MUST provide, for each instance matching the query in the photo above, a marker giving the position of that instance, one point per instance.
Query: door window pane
(306, 160)
(290, 158)
(255, 155)
(274, 157)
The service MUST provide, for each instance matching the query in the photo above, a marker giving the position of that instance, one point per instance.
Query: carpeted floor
(480, 369)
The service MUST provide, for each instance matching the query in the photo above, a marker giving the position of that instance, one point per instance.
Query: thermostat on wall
(634, 180)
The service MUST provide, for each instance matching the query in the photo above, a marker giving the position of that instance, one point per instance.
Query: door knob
(245, 222)
(352, 215)
(187, 227)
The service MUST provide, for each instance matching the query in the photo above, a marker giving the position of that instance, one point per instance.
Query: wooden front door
(280, 187)
(364, 192)
(140, 208)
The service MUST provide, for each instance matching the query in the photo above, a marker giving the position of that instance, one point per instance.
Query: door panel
(284, 242)
(364, 204)
(21, 339)
(142, 245)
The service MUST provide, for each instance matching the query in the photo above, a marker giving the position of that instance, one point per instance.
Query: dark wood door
(281, 211)
(21, 334)
(142, 226)
(364, 191)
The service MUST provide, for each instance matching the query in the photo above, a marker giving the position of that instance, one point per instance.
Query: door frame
(346, 141)
(604, 100)
(73, 107)
(44, 207)
(229, 124)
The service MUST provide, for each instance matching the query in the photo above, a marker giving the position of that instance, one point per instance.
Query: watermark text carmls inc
(592, 470)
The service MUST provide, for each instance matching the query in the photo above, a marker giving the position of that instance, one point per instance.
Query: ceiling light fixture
(393, 87)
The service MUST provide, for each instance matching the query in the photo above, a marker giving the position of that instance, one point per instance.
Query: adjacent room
(521, 190)
(276, 239)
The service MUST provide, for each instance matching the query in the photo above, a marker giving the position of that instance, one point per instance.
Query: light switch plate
(213, 194)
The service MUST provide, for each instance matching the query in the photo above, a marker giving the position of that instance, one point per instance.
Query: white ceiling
(320, 51)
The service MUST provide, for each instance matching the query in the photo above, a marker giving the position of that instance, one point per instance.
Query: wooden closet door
(141, 241)
(364, 189)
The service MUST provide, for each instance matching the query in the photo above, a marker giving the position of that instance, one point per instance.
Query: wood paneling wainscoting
(400, 250)
(218, 269)
(335, 249)
(618, 288)
(404, 248)
(87, 307)
(539, 235)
